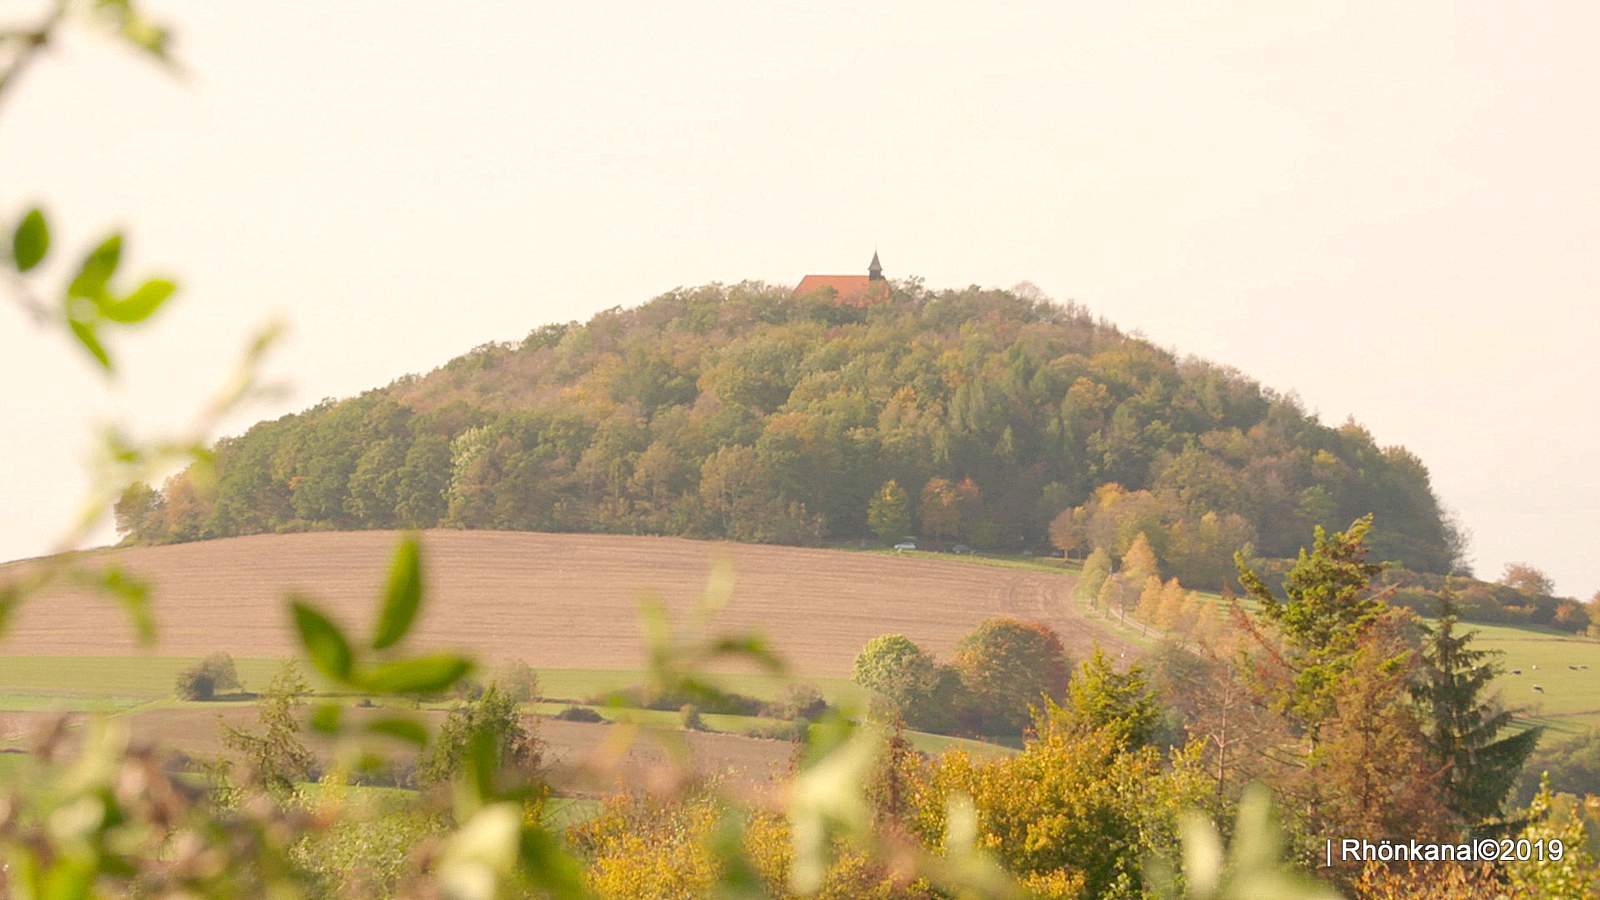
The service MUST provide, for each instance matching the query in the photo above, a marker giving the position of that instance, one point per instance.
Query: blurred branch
(24, 45)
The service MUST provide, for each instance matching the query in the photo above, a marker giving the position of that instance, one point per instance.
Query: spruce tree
(1464, 732)
(1328, 606)
(1099, 698)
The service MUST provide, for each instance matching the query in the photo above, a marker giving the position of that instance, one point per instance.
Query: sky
(1391, 211)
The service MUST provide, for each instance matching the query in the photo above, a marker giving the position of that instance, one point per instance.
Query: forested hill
(744, 412)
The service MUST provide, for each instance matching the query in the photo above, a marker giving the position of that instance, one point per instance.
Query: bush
(208, 678)
(493, 715)
(520, 682)
(579, 714)
(689, 715)
(800, 701)
(725, 704)
(795, 732)
(467, 689)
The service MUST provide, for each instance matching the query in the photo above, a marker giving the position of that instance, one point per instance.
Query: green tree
(422, 483)
(276, 757)
(1119, 703)
(906, 682)
(1466, 733)
(1009, 667)
(493, 718)
(1096, 569)
(216, 674)
(520, 682)
(889, 513)
(1329, 604)
(1576, 873)
(374, 484)
(138, 512)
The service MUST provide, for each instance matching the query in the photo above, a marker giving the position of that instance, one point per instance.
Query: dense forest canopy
(748, 413)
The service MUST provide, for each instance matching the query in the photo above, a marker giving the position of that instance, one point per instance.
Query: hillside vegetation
(747, 413)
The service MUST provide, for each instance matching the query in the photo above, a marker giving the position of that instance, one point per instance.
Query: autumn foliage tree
(1527, 579)
(1075, 814)
(889, 513)
(940, 509)
(1007, 668)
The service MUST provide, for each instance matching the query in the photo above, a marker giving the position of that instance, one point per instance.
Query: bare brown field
(552, 600)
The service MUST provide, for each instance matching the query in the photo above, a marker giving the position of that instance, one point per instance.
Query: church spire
(875, 269)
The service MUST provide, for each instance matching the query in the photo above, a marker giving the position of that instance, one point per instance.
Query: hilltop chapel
(850, 290)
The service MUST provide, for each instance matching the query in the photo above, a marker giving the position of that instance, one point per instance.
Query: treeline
(746, 413)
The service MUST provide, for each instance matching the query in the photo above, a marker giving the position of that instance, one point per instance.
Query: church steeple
(875, 269)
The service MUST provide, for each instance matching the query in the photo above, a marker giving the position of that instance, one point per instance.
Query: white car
(905, 545)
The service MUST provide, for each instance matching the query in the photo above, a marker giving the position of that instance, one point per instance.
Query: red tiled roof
(855, 290)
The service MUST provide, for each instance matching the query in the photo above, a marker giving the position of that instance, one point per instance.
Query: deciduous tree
(1008, 666)
(1527, 579)
(889, 513)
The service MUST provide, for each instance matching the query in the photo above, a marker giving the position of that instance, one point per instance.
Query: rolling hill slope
(749, 413)
(552, 600)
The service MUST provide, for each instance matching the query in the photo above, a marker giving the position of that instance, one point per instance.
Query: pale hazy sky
(1392, 211)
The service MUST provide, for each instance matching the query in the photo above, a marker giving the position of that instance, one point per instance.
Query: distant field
(557, 600)
(139, 690)
(1571, 699)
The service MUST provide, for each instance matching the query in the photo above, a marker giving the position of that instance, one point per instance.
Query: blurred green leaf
(482, 854)
(140, 304)
(148, 36)
(753, 647)
(739, 877)
(1202, 853)
(420, 675)
(401, 728)
(482, 764)
(324, 642)
(825, 799)
(31, 241)
(402, 596)
(84, 332)
(327, 717)
(97, 269)
(549, 866)
(69, 879)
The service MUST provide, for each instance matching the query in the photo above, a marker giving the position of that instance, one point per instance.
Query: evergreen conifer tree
(1465, 733)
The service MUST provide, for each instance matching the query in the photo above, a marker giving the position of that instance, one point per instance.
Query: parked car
(906, 545)
(961, 548)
